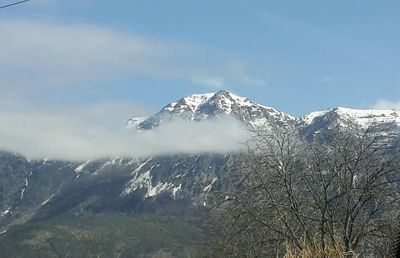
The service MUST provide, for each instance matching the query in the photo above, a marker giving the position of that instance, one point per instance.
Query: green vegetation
(103, 235)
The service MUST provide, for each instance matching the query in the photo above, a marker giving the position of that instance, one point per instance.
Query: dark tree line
(336, 197)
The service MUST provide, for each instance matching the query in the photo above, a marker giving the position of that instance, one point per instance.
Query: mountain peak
(228, 94)
(223, 101)
(198, 107)
(194, 101)
(191, 102)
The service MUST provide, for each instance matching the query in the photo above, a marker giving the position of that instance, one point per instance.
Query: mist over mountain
(193, 124)
(167, 163)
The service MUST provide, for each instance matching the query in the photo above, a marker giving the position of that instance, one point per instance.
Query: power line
(8, 5)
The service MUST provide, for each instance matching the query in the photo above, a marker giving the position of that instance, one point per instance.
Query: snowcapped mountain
(198, 107)
(320, 122)
(42, 189)
(221, 104)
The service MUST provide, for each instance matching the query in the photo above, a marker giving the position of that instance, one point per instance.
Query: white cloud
(386, 104)
(216, 81)
(90, 133)
(38, 57)
(254, 81)
(38, 54)
(239, 70)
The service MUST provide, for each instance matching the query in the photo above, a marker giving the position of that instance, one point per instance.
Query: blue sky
(297, 56)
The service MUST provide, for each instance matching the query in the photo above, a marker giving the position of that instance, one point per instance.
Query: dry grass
(317, 251)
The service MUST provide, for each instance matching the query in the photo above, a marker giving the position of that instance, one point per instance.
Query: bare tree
(341, 192)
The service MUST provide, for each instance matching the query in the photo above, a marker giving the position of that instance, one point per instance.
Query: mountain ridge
(200, 107)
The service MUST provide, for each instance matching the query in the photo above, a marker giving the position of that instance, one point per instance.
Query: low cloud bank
(44, 57)
(386, 104)
(84, 134)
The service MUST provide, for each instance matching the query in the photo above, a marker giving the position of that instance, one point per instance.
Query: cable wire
(8, 5)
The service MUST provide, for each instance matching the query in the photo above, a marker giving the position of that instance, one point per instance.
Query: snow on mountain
(362, 117)
(192, 102)
(134, 122)
(199, 107)
(221, 104)
(320, 122)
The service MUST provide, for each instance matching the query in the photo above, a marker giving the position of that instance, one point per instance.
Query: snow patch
(64, 167)
(134, 122)
(208, 187)
(6, 212)
(140, 181)
(45, 202)
(309, 119)
(26, 185)
(80, 168)
(157, 189)
(144, 181)
(176, 189)
(139, 168)
(196, 100)
(259, 122)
